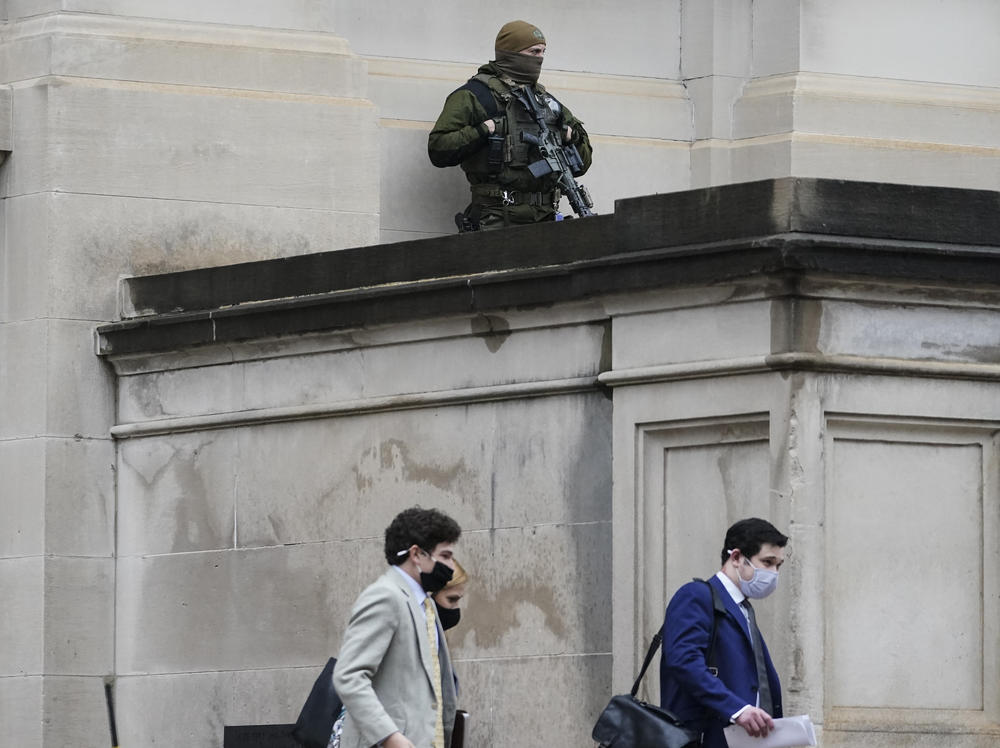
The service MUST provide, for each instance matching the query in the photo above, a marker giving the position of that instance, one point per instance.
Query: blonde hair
(459, 577)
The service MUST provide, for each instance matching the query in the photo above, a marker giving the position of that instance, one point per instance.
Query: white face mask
(761, 584)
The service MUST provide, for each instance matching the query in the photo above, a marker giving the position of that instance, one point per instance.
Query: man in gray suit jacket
(385, 672)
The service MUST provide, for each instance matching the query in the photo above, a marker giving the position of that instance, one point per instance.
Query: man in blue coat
(740, 685)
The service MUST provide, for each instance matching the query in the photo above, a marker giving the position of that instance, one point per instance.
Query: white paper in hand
(789, 732)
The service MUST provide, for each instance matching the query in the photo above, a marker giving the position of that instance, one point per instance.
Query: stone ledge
(777, 227)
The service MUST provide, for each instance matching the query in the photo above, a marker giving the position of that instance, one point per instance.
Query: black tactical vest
(517, 153)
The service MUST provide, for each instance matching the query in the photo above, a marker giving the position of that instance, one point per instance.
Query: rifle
(557, 158)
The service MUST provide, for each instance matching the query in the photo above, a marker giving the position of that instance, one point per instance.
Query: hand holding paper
(789, 732)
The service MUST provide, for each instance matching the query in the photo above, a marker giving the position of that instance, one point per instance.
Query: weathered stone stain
(492, 329)
(195, 526)
(983, 354)
(393, 456)
(491, 618)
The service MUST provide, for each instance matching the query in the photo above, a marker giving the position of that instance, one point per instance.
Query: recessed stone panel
(693, 477)
(929, 491)
(697, 480)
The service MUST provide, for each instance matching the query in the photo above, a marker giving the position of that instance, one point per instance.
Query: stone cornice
(776, 228)
(799, 362)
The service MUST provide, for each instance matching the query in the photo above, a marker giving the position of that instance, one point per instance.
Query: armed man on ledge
(520, 148)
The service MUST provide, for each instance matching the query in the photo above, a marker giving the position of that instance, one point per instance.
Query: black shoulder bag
(320, 711)
(628, 722)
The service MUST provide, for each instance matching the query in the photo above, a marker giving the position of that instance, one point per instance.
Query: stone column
(715, 65)
(855, 403)
(143, 136)
(901, 91)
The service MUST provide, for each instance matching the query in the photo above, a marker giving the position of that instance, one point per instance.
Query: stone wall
(628, 386)
(243, 546)
(141, 137)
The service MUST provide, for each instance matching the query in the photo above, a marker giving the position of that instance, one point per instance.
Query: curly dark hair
(417, 526)
(749, 535)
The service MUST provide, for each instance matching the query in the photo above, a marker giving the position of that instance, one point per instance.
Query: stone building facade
(215, 390)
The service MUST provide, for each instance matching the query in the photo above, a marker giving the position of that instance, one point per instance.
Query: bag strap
(484, 94)
(653, 646)
(718, 608)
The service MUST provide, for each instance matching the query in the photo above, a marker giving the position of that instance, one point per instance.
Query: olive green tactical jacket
(459, 136)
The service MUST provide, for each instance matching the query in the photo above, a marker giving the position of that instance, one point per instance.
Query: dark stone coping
(791, 225)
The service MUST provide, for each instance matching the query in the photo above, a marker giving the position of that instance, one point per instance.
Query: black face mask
(434, 580)
(448, 616)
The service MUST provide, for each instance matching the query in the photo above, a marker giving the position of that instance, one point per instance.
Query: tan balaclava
(514, 37)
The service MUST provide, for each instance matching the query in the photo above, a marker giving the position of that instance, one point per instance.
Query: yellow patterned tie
(432, 641)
